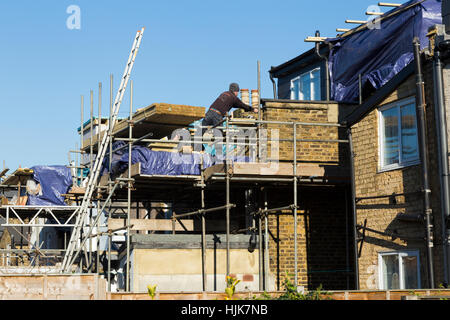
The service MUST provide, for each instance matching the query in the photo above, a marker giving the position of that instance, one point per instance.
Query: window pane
(295, 89)
(410, 272)
(390, 272)
(391, 147)
(306, 87)
(409, 133)
(316, 85)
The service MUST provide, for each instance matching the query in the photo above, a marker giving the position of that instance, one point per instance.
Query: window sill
(398, 166)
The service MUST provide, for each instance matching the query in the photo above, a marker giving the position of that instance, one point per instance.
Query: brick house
(396, 235)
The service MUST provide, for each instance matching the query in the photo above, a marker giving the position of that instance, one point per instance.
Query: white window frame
(401, 164)
(401, 254)
(312, 90)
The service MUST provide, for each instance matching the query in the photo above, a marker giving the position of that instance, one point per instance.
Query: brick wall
(312, 152)
(385, 214)
(324, 247)
(324, 250)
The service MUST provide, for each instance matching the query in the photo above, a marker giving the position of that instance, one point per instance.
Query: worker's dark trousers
(211, 119)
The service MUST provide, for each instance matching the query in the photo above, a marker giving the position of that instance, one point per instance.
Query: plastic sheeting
(155, 162)
(165, 163)
(54, 181)
(161, 162)
(378, 54)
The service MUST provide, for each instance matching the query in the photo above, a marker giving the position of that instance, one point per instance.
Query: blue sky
(190, 52)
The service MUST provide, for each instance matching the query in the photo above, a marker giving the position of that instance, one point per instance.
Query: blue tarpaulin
(161, 162)
(165, 163)
(54, 181)
(156, 162)
(379, 53)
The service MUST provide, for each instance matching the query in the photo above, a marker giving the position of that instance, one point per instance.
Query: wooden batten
(151, 224)
(277, 170)
(20, 175)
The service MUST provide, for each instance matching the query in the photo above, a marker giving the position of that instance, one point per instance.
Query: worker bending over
(223, 104)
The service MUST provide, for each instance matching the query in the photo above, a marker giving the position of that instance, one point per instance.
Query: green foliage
(291, 293)
(413, 293)
(231, 287)
(263, 296)
(151, 291)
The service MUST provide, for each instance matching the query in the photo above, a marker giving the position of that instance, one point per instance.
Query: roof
(379, 95)
(352, 31)
(305, 58)
(384, 53)
(86, 125)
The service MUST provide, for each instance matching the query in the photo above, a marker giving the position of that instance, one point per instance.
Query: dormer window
(307, 86)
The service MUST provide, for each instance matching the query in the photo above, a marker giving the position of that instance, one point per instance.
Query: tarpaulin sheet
(155, 162)
(54, 181)
(378, 54)
(162, 162)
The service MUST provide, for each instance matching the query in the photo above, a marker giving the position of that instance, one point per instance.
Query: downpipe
(441, 128)
(420, 107)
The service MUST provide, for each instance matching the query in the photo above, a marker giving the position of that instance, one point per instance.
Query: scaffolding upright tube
(130, 124)
(227, 182)
(111, 101)
(81, 138)
(266, 243)
(259, 109)
(204, 274)
(109, 260)
(295, 204)
(260, 253)
(91, 130)
(97, 262)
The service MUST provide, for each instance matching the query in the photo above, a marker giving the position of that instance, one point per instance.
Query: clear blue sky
(190, 52)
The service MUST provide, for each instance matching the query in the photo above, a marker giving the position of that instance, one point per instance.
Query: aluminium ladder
(72, 252)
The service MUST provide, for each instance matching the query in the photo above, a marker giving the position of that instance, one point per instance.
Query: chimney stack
(255, 99)
(245, 96)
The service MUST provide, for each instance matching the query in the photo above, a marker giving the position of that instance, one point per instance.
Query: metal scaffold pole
(97, 262)
(109, 124)
(204, 274)
(130, 146)
(260, 251)
(72, 253)
(295, 206)
(81, 140)
(91, 152)
(227, 177)
(266, 243)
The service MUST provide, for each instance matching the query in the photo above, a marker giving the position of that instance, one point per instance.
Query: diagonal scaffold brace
(73, 249)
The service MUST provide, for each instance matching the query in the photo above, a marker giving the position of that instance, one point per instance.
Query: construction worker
(223, 104)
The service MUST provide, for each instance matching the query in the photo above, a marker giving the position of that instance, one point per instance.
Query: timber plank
(279, 170)
(160, 118)
(151, 224)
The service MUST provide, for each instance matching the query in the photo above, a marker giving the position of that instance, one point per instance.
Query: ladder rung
(69, 256)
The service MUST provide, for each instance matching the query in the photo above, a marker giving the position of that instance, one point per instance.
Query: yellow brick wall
(321, 260)
(322, 256)
(381, 214)
(317, 152)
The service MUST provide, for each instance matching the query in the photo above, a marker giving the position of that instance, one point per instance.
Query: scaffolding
(83, 258)
(201, 182)
(84, 250)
